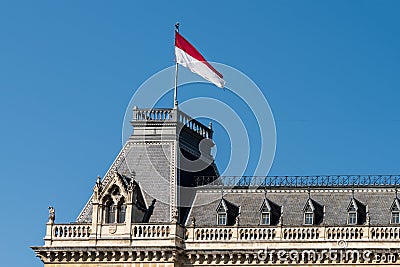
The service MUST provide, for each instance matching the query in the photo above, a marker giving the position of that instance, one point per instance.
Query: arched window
(110, 212)
(121, 213)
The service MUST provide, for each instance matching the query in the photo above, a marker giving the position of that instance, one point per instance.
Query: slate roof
(292, 201)
(150, 164)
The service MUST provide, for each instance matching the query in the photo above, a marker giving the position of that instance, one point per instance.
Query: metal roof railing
(299, 181)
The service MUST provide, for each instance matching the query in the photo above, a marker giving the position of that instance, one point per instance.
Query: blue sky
(329, 69)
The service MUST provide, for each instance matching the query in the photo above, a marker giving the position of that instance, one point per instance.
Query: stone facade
(147, 211)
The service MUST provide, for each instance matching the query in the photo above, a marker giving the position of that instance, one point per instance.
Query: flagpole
(176, 75)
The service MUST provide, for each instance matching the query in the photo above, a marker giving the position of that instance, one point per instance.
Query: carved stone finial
(193, 222)
(210, 125)
(52, 214)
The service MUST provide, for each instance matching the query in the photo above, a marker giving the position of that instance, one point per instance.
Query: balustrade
(151, 231)
(71, 231)
(344, 233)
(171, 115)
(213, 234)
(301, 233)
(385, 233)
(237, 233)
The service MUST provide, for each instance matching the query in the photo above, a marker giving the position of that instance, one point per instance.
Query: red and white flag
(189, 57)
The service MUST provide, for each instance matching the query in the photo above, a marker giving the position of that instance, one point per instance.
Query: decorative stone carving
(174, 215)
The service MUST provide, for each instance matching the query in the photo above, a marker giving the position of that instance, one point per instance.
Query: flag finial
(177, 26)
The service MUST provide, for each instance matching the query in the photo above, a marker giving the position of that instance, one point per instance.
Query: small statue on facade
(237, 221)
(52, 214)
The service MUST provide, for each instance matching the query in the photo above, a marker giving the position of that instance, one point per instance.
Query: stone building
(158, 207)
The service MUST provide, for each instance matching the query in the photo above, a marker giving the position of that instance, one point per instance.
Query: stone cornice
(108, 254)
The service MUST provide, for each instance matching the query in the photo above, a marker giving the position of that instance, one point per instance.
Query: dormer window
(356, 212)
(308, 218)
(352, 218)
(270, 212)
(221, 218)
(265, 218)
(313, 212)
(395, 217)
(308, 213)
(221, 215)
(227, 212)
(265, 211)
(352, 212)
(115, 207)
(395, 209)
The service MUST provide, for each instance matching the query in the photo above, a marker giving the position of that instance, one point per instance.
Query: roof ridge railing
(164, 115)
(299, 181)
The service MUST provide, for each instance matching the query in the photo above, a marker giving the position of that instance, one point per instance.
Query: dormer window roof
(356, 212)
(226, 212)
(270, 212)
(313, 212)
(395, 211)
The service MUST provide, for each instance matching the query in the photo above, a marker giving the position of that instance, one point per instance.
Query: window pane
(352, 218)
(111, 214)
(121, 214)
(221, 219)
(308, 218)
(265, 218)
(395, 218)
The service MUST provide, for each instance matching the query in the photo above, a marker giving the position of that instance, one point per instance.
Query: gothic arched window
(111, 210)
(121, 213)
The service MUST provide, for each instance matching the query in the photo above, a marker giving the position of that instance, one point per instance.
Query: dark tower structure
(165, 153)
